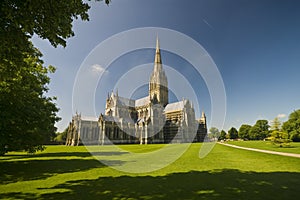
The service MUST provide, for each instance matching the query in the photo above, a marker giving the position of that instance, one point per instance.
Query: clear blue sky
(254, 43)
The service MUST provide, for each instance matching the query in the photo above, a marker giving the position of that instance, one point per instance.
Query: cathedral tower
(158, 85)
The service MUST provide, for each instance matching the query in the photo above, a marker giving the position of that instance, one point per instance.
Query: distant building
(151, 119)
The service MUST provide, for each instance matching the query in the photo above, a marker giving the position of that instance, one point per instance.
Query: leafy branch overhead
(48, 19)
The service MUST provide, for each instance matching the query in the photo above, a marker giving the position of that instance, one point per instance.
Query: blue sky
(254, 43)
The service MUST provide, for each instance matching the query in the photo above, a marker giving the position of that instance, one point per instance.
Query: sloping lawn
(293, 147)
(72, 173)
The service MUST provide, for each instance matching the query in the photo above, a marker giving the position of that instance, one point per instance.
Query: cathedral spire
(203, 115)
(157, 52)
(158, 85)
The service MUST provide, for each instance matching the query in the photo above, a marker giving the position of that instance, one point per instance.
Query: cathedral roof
(110, 118)
(125, 101)
(175, 106)
(133, 103)
(142, 101)
(89, 118)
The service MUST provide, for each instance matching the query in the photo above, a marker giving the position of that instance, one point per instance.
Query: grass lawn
(72, 173)
(293, 147)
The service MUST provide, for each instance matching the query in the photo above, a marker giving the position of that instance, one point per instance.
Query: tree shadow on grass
(81, 154)
(224, 184)
(25, 170)
(60, 154)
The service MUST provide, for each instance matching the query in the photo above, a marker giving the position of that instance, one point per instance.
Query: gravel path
(263, 151)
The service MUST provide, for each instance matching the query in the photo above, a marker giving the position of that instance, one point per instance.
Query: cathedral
(151, 119)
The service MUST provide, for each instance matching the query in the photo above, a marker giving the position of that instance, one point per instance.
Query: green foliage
(20, 20)
(51, 20)
(295, 136)
(61, 137)
(292, 126)
(27, 115)
(214, 132)
(276, 124)
(279, 138)
(260, 130)
(232, 133)
(244, 132)
(222, 135)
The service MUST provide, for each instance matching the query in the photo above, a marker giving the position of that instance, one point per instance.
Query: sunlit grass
(293, 147)
(62, 172)
(142, 148)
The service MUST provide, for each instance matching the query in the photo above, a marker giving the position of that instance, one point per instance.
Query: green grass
(293, 147)
(72, 173)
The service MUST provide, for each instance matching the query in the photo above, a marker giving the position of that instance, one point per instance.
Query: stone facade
(151, 119)
(83, 129)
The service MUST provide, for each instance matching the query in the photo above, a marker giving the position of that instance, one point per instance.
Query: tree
(61, 137)
(51, 20)
(292, 126)
(214, 132)
(27, 115)
(244, 131)
(260, 130)
(279, 138)
(222, 135)
(232, 133)
(295, 136)
(276, 124)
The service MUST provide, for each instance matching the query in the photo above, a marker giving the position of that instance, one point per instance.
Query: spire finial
(157, 44)
(157, 51)
(203, 115)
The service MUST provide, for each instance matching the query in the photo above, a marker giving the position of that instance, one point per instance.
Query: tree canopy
(222, 135)
(244, 131)
(27, 114)
(20, 20)
(232, 133)
(214, 132)
(278, 133)
(61, 137)
(292, 126)
(260, 130)
(51, 20)
(275, 124)
(279, 138)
